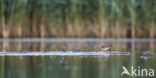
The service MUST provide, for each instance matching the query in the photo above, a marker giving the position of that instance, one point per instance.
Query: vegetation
(78, 18)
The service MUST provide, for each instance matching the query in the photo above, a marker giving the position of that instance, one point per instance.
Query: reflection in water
(86, 66)
(69, 66)
(90, 45)
(152, 45)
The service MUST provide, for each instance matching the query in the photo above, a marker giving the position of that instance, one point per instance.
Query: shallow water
(75, 58)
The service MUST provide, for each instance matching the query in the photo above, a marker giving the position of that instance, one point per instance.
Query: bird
(104, 47)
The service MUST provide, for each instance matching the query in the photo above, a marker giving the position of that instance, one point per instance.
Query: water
(74, 58)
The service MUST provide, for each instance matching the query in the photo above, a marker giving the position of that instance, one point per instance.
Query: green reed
(2, 66)
(77, 18)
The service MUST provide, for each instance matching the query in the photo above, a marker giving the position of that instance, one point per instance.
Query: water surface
(74, 58)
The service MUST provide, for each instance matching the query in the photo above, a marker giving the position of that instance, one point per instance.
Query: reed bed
(78, 18)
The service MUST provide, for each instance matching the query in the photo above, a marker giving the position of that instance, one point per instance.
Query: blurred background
(77, 19)
(77, 26)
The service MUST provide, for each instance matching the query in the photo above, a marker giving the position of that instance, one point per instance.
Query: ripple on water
(60, 53)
